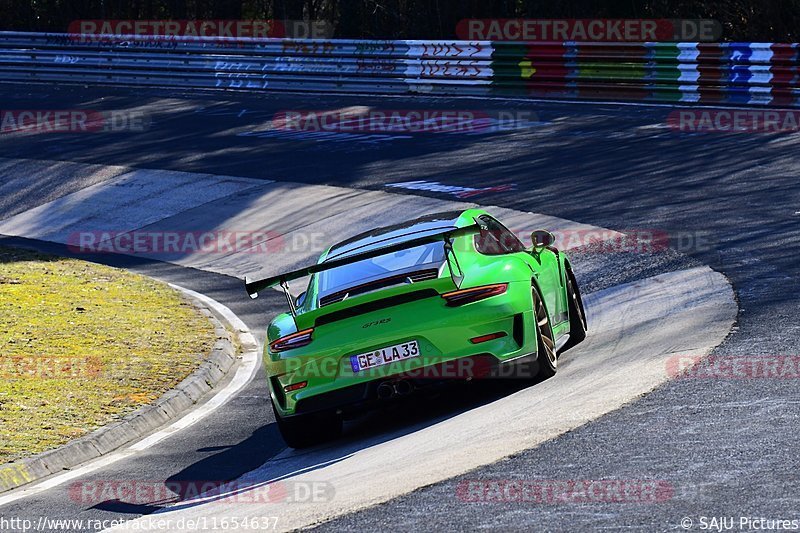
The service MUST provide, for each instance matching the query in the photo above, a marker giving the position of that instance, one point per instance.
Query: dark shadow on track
(381, 425)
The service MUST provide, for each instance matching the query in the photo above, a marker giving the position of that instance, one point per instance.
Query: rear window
(404, 261)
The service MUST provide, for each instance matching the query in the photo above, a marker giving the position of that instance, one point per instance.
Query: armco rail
(736, 73)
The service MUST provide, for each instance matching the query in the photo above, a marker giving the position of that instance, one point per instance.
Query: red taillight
(466, 296)
(295, 386)
(487, 338)
(295, 340)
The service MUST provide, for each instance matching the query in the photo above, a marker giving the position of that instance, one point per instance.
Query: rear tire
(577, 316)
(302, 431)
(546, 349)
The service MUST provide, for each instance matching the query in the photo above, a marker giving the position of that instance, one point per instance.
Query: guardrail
(737, 73)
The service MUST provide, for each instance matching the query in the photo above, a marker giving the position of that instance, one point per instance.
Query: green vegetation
(83, 344)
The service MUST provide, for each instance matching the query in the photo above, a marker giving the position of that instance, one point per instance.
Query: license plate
(384, 356)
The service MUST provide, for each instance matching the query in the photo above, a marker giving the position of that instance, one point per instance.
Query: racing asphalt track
(640, 326)
(724, 445)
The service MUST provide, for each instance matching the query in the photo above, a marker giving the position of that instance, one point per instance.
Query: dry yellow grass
(83, 344)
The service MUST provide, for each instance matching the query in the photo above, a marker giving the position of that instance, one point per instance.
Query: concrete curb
(137, 424)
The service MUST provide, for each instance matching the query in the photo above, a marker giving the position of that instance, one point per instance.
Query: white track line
(244, 374)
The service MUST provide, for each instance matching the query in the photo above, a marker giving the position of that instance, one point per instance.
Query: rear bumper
(366, 396)
(320, 375)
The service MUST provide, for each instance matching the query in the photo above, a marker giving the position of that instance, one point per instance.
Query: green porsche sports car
(399, 309)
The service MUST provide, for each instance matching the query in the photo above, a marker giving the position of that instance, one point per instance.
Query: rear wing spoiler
(429, 236)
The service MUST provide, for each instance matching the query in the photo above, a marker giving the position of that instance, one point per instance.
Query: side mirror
(542, 239)
(301, 298)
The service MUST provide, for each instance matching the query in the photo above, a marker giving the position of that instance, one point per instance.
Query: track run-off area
(612, 412)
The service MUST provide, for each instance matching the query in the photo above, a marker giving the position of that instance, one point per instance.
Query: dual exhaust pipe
(389, 389)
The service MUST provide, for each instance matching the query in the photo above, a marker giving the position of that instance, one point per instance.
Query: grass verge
(83, 344)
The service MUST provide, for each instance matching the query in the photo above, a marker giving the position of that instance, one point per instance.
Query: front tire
(302, 431)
